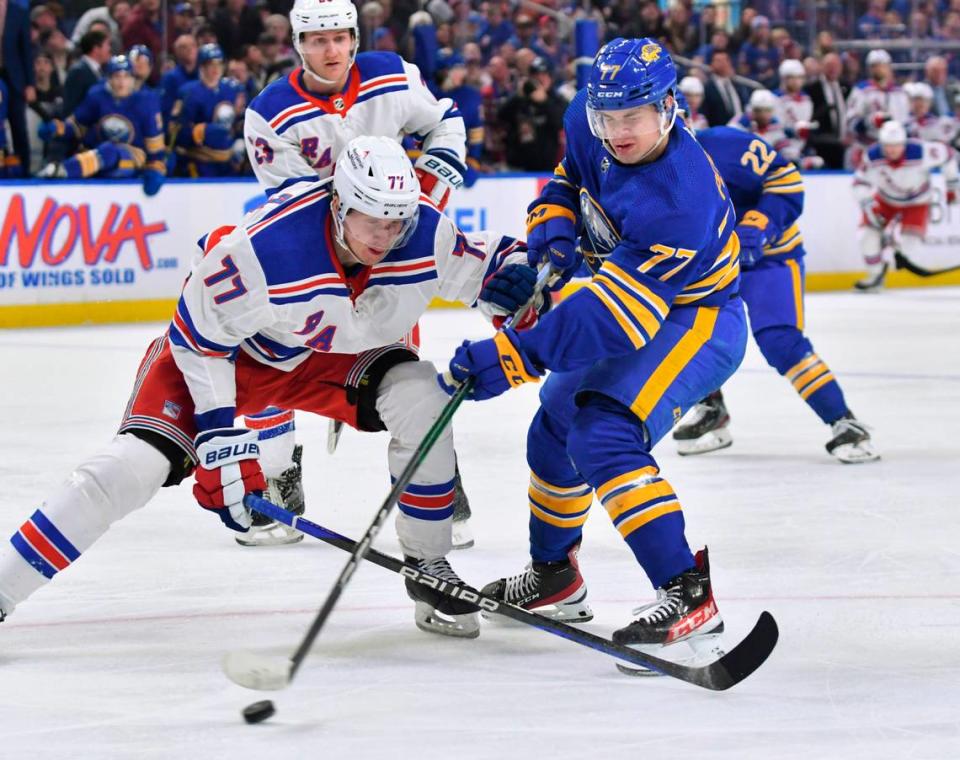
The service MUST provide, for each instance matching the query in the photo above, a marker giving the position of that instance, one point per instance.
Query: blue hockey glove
(152, 181)
(497, 364)
(47, 130)
(552, 236)
(753, 237)
(508, 289)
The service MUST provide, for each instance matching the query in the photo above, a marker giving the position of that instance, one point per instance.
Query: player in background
(451, 73)
(293, 130)
(206, 119)
(892, 185)
(923, 124)
(692, 89)
(760, 118)
(120, 128)
(795, 111)
(141, 59)
(658, 327)
(305, 303)
(185, 53)
(874, 101)
(767, 193)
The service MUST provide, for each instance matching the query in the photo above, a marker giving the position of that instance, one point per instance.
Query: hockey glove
(152, 181)
(48, 130)
(552, 236)
(872, 215)
(229, 469)
(951, 196)
(214, 136)
(497, 364)
(752, 232)
(879, 119)
(508, 289)
(439, 172)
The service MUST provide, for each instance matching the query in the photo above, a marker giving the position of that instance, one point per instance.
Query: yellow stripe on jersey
(633, 305)
(475, 135)
(723, 224)
(153, 144)
(783, 170)
(675, 361)
(621, 480)
(632, 333)
(797, 291)
(716, 279)
(89, 163)
(787, 241)
(627, 279)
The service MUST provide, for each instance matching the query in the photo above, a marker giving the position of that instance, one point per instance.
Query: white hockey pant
(409, 401)
(110, 485)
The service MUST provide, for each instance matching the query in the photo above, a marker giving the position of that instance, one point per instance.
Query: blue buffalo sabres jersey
(656, 236)
(196, 110)
(134, 120)
(760, 180)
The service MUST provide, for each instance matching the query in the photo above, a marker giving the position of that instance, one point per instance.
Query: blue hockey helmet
(116, 64)
(209, 52)
(140, 50)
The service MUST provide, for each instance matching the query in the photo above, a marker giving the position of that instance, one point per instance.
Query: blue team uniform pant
(773, 293)
(596, 427)
(109, 159)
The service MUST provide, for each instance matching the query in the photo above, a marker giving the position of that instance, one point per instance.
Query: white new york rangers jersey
(773, 132)
(868, 99)
(793, 110)
(696, 121)
(292, 134)
(907, 181)
(273, 288)
(933, 128)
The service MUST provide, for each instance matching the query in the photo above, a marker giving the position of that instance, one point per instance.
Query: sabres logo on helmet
(650, 52)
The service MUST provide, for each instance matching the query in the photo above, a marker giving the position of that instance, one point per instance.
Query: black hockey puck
(258, 711)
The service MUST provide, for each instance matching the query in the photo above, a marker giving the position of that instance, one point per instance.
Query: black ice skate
(284, 491)
(462, 535)
(874, 279)
(851, 442)
(552, 589)
(684, 611)
(704, 428)
(437, 613)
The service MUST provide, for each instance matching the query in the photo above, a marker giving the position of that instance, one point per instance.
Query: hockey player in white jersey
(692, 89)
(873, 101)
(795, 112)
(294, 130)
(892, 184)
(760, 117)
(305, 304)
(923, 124)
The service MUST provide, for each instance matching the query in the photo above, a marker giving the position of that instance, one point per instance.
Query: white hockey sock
(276, 431)
(871, 246)
(409, 402)
(108, 486)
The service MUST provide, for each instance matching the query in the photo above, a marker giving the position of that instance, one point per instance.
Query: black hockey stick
(257, 671)
(719, 675)
(903, 262)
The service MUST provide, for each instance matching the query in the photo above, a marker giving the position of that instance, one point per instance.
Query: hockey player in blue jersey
(206, 119)
(767, 192)
(120, 127)
(658, 326)
(185, 52)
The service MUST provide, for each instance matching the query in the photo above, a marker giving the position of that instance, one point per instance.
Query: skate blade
(274, 534)
(713, 440)
(854, 453)
(704, 650)
(576, 612)
(462, 535)
(428, 619)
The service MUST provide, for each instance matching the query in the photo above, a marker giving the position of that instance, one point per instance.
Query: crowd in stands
(510, 67)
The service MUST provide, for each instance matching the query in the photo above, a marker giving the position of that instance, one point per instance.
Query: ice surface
(120, 656)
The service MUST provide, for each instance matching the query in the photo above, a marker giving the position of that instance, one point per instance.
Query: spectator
(56, 46)
(870, 24)
(680, 35)
(722, 100)
(236, 24)
(237, 70)
(829, 96)
(811, 67)
(944, 92)
(276, 60)
(253, 59)
(279, 26)
(451, 83)
(206, 35)
(743, 31)
(719, 40)
(648, 23)
(44, 108)
(16, 71)
(142, 27)
(42, 19)
(533, 119)
(185, 54)
(759, 57)
(182, 21)
(86, 72)
(104, 14)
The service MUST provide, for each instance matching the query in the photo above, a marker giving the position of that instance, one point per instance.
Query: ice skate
(462, 534)
(873, 282)
(552, 589)
(52, 171)
(851, 442)
(284, 491)
(437, 613)
(704, 428)
(684, 612)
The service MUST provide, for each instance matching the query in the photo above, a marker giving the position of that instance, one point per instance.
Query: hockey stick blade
(903, 262)
(728, 671)
(257, 671)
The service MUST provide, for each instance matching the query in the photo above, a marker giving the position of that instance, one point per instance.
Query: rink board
(101, 251)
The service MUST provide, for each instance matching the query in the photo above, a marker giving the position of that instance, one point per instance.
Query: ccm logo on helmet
(240, 451)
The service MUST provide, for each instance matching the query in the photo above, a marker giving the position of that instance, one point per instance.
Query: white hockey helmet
(374, 176)
(918, 90)
(792, 68)
(762, 100)
(691, 86)
(878, 56)
(892, 133)
(323, 16)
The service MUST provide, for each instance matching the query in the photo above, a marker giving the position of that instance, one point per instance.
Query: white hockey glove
(229, 469)
(439, 172)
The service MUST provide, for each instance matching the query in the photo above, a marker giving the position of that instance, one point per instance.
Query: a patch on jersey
(171, 410)
(224, 114)
(600, 229)
(339, 103)
(116, 128)
(650, 52)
